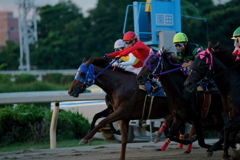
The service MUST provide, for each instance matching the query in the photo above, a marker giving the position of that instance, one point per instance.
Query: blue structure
(157, 25)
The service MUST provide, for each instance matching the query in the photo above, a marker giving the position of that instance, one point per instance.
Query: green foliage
(28, 123)
(9, 56)
(58, 78)
(25, 78)
(67, 79)
(16, 122)
(52, 78)
(71, 125)
(34, 86)
(5, 78)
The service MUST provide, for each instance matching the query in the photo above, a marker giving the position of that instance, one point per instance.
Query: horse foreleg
(199, 132)
(98, 115)
(189, 146)
(124, 132)
(115, 116)
(160, 132)
(181, 136)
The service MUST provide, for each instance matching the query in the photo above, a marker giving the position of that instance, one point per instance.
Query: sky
(11, 5)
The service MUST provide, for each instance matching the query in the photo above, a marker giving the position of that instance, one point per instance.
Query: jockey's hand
(117, 58)
(105, 55)
(185, 65)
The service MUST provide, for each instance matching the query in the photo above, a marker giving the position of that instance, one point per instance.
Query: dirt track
(135, 151)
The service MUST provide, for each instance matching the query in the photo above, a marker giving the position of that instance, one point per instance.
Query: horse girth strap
(206, 104)
(147, 107)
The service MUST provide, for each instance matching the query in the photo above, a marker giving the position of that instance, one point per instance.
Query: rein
(216, 75)
(89, 71)
(209, 61)
(175, 69)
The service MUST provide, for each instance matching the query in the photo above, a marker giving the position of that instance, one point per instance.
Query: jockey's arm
(128, 50)
(131, 60)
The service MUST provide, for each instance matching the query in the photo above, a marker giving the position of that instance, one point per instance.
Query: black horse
(104, 113)
(125, 96)
(219, 64)
(185, 106)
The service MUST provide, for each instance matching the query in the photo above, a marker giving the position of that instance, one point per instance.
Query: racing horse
(185, 106)
(219, 64)
(104, 113)
(124, 93)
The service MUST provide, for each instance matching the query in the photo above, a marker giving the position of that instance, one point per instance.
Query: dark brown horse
(125, 96)
(185, 106)
(219, 64)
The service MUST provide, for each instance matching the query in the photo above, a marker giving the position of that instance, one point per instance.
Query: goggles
(128, 42)
(178, 44)
(118, 49)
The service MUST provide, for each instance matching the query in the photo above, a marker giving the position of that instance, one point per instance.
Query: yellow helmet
(236, 33)
(180, 37)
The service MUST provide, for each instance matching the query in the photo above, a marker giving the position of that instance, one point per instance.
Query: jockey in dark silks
(187, 53)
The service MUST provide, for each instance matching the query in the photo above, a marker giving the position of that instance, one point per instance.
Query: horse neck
(173, 82)
(226, 82)
(109, 80)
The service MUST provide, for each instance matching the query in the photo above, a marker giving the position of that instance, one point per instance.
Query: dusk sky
(10, 5)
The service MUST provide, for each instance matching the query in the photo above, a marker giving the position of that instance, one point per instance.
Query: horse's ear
(89, 61)
(84, 60)
(209, 44)
(217, 45)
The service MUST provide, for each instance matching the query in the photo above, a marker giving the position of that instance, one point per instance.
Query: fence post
(53, 126)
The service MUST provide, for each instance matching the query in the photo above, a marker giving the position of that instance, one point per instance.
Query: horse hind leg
(230, 127)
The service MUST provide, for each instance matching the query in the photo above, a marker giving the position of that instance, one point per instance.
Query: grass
(60, 144)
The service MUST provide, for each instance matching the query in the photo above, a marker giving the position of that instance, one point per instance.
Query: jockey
(138, 49)
(187, 51)
(236, 37)
(187, 54)
(134, 46)
(129, 62)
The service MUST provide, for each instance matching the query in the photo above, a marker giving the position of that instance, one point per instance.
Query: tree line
(65, 36)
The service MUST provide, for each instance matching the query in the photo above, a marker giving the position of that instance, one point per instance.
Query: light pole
(26, 33)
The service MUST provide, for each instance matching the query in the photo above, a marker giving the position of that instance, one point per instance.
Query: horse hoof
(83, 141)
(227, 157)
(186, 152)
(90, 141)
(209, 154)
(156, 141)
(158, 150)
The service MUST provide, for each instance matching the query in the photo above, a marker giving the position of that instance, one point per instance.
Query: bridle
(88, 70)
(159, 65)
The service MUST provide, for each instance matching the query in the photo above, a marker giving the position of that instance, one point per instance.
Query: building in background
(8, 28)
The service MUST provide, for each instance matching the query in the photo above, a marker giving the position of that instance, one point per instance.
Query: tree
(61, 29)
(9, 56)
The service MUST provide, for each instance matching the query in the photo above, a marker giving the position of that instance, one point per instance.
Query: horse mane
(104, 62)
(223, 54)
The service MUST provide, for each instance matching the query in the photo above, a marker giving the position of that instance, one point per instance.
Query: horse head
(150, 68)
(202, 67)
(154, 66)
(83, 78)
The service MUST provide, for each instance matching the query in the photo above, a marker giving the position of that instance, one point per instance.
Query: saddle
(150, 95)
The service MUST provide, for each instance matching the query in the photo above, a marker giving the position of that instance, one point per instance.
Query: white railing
(47, 96)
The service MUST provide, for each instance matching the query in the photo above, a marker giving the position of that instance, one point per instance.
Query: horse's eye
(82, 75)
